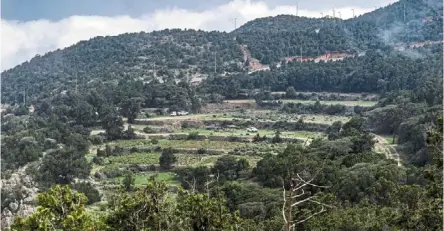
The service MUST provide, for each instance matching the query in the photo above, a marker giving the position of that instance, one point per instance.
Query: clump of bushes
(98, 160)
(193, 136)
(89, 190)
(149, 130)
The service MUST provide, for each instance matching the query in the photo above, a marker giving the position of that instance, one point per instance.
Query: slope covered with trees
(166, 56)
(271, 39)
(189, 55)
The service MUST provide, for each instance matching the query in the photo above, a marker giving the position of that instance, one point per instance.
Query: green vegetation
(105, 146)
(143, 178)
(135, 158)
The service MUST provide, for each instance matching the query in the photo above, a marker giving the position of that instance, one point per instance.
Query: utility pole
(297, 8)
(333, 13)
(353, 10)
(215, 64)
(301, 53)
(322, 15)
(404, 10)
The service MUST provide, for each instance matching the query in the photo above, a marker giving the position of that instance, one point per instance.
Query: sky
(30, 27)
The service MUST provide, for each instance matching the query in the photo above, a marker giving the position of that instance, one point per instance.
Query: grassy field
(135, 158)
(195, 160)
(189, 144)
(142, 178)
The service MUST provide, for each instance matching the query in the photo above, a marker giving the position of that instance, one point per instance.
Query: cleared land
(245, 133)
(346, 103)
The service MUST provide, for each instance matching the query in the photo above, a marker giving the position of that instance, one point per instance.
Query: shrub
(201, 151)
(154, 141)
(277, 137)
(101, 153)
(184, 125)
(128, 182)
(134, 150)
(167, 158)
(98, 160)
(233, 139)
(112, 172)
(89, 190)
(152, 167)
(96, 140)
(193, 136)
(149, 130)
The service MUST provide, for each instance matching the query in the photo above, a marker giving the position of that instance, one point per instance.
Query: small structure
(173, 113)
(31, 109)
(182, 113)
(252, 129)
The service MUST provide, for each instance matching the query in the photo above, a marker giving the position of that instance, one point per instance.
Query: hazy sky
(31, 27)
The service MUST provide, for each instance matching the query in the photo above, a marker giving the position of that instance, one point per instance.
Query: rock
(13, 206)
(18, 182)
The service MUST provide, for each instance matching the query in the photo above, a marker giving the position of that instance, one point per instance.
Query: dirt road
(388, 149)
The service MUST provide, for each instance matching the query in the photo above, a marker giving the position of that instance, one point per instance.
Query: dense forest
(104, 83)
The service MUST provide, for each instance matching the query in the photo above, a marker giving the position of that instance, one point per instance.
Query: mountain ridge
(193, 55)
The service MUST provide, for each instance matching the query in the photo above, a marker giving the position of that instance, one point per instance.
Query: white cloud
(20, 41)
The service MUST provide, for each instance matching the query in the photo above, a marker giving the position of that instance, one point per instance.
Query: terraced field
(189, 137)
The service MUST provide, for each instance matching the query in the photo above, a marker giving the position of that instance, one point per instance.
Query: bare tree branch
(309, 182)
(298, 195)
(283, 206)
(301, 201)
(312, 215)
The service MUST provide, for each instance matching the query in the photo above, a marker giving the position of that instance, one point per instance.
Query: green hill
(188, 55)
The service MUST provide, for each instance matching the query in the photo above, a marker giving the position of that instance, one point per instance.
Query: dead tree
(298, 195)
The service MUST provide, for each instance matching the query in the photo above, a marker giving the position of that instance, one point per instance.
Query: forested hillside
(166, 56)
(188, 55)
(271, 39)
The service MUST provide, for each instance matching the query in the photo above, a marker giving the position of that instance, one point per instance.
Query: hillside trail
(389, 151)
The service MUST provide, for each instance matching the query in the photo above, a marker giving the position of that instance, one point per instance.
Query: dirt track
(389, 151)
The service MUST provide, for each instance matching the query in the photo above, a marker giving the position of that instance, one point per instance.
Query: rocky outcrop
(19, 192)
